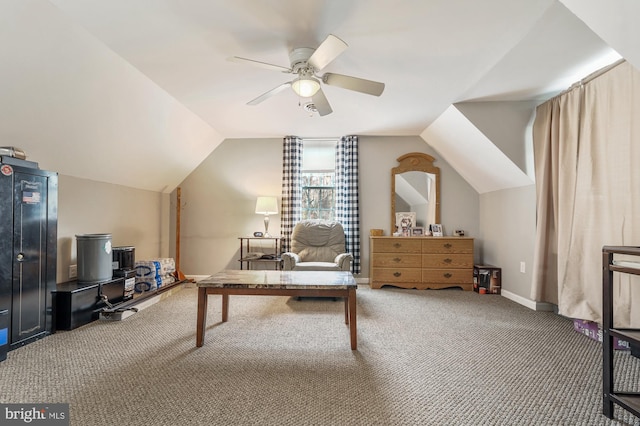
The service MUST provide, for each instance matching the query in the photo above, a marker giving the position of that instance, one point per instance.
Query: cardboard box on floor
(593, 331)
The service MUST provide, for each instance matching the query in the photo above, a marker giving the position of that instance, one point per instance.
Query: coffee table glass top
(280, 279)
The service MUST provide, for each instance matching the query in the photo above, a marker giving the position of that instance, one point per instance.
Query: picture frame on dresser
(436, 230)
(417, 231)
(405, 221)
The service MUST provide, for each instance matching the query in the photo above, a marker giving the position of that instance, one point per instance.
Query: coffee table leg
(225, 307)
(346, 310)
(352, 319)
(201, 322)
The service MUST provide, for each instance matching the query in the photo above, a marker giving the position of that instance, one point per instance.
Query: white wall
(507, 217)
(219, 197)
(508, 222)
(134, 217)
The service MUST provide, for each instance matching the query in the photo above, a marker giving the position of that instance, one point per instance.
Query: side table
(252, 252)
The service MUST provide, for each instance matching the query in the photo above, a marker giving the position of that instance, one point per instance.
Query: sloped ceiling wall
(471, 153)
(615, 21)
(77, 108)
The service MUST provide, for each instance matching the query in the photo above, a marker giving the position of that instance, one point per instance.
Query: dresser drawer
(396, 245)
(396, 275)
(447, 245)
(397, 260)
(457, 276)
(441, 260)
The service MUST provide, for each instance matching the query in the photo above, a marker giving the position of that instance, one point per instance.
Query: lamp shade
(305, 86)
(267, 205)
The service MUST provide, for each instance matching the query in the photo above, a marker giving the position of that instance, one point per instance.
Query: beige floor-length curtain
(587, 161)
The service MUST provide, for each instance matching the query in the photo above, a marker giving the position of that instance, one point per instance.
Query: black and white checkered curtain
(291, 188)
(347, 195)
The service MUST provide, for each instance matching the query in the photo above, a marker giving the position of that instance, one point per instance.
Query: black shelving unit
(630, 401)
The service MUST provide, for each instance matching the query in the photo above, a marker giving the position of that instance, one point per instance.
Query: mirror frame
(414, 162)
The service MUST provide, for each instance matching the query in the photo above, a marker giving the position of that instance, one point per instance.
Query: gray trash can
(94, 258)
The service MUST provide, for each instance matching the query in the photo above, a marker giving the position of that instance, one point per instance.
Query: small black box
(129, 276)
(487, 279)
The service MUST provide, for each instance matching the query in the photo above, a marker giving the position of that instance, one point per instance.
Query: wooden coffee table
(277, 283)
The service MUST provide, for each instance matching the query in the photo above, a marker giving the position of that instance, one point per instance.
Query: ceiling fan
(305, 64)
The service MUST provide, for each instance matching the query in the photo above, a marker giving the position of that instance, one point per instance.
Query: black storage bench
(77, 303)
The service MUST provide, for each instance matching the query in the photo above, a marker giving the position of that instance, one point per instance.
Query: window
(318, 195)
(318, 179)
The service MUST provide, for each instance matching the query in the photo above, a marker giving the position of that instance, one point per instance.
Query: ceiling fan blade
(270, 93)
(259, 64)
(321, 103)
(328, 50)
(354, 83)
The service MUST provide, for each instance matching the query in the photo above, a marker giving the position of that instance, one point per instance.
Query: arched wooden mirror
(415, 187)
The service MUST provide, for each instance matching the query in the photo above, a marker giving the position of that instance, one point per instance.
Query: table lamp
(267, 206)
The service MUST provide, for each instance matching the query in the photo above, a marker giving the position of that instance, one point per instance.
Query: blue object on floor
(4, 334)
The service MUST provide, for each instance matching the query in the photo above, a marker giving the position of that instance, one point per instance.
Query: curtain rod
(320, 139)
(592, 76)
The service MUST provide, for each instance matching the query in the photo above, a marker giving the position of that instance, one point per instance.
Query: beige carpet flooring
(443, 357)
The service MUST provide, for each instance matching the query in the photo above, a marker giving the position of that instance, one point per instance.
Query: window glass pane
(318, 195)
(318, 179)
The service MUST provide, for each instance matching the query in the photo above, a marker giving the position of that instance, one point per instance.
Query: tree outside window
(318, 195)
(318, 179)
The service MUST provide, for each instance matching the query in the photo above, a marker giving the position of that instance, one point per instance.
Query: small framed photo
(436, 229)
(459, 233)
(417, 231)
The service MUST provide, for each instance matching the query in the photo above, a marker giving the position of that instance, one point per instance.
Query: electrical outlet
(73, 271)
(522, 267)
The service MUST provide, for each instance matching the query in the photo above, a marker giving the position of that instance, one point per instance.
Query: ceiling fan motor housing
(298, 59)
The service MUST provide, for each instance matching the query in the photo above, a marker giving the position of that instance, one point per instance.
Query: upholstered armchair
(317, 246)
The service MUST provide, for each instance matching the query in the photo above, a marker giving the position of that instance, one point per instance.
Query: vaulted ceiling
(139, 92)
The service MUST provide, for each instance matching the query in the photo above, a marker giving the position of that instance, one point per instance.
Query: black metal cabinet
(28, 248)
(629, 400)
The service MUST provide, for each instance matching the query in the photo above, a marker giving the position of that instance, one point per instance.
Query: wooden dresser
(421, 262)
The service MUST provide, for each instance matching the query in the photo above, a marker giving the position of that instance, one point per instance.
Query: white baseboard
(531, 304)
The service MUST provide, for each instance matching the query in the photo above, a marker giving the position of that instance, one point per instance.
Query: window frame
(314, 150)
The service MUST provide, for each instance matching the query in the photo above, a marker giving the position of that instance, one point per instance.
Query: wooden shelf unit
(630, 401)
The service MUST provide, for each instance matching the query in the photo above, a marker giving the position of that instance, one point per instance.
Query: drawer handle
(447, 245)
(447, 260)
(448, 275)
(396, 259)
(397, 245)
(397, 274)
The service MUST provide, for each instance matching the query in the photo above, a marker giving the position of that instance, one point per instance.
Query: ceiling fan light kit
(305, 63)
(305, 87)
